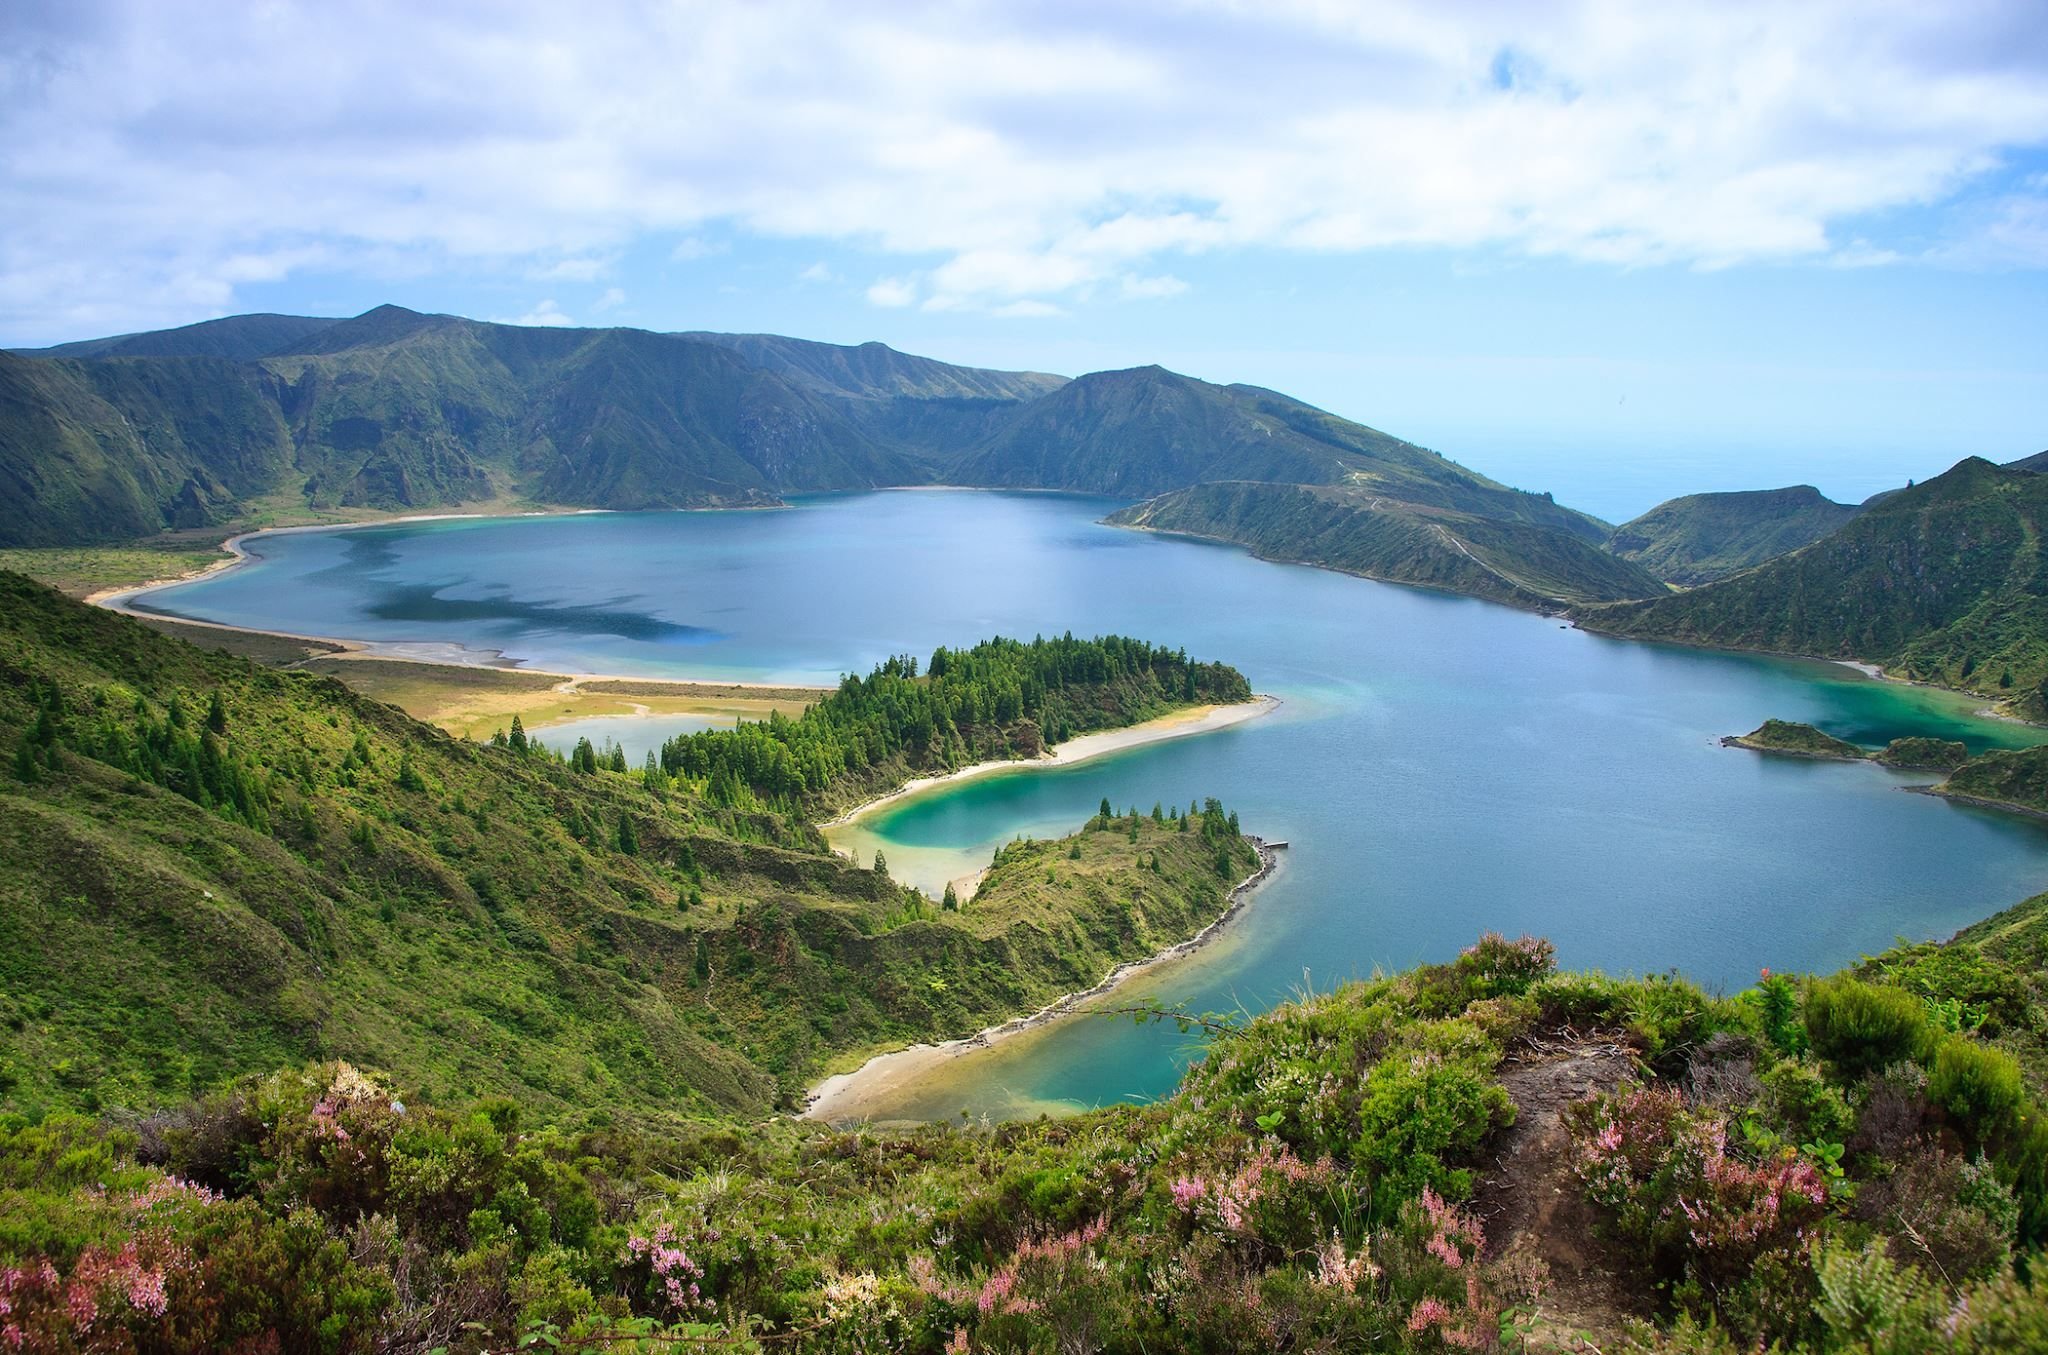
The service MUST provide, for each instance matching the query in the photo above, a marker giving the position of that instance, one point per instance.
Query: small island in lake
(1794, 739)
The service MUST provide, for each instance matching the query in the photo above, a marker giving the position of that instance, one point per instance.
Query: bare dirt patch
(1534, 1207)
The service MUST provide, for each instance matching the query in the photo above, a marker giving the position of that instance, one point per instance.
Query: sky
(1614, 251)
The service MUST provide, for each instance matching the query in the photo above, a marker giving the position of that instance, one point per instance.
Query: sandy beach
(851, 1097)
(1180, 724)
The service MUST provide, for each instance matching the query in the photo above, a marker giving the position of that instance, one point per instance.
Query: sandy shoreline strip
(1179, 724)
(850, 1097)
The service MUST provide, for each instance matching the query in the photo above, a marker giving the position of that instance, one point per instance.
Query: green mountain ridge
(1942, 582)
(1360, 531)
(1703, 537)
(393, 410)
(238, 338)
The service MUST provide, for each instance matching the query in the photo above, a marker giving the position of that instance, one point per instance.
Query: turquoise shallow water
(1442, 766)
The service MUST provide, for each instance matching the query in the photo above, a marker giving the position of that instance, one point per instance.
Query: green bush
(1803, 1105)
(1864, 1027)
(1426, 1109)
(1978, 1087)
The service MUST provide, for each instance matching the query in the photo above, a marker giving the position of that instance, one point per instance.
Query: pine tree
(881, 864)
(518, 736)
(629, 841)
(617, 761)
(408, 775)
(951, 903)
(703, 959)
(217, 714)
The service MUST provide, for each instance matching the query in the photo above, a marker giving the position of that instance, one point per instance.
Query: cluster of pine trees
(1002, 698)
(176, 751)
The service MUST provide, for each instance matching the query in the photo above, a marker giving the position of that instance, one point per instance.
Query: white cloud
(892, 292)
(818, 272)
(158, 154)
(1135, 288)
(613, 298)
(570, 270)
(1026, 310)
(546, 315)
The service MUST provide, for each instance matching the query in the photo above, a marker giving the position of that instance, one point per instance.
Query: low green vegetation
(81, 570)
(1842, 1165)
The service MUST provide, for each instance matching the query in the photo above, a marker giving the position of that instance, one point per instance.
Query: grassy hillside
(192, 890)
(112, 450)
(1364, 532)
(1703, 537)
(1943, 582)
(2016, 780)
(1147, 431)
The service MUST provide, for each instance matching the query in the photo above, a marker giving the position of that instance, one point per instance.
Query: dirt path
(1533, 1205)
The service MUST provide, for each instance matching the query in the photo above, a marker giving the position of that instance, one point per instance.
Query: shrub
(2030, 1179)
(1805, 1106)
(1978, 1087)
(1942, 1210)
(1669, 1017)
(1865, 1027)
(1776, 1001)
(1494, 966)
(1424, 1112)
(1730, 1236)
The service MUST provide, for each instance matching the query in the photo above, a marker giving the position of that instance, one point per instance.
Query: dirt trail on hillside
(1533, 1206)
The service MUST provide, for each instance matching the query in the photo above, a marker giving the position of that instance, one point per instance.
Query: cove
(1442, 766)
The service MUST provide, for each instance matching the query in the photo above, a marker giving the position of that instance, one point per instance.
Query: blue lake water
(1442, 766)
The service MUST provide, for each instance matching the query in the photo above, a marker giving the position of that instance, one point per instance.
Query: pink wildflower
(146, 1293)
(1428, 1313)
(997, 1289)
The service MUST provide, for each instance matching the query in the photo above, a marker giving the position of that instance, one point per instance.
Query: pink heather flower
(1445, 1251)
(958, 1345)
(996, 1289)
(1188, 1192)
(146, 1293)
(1428, 1313)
